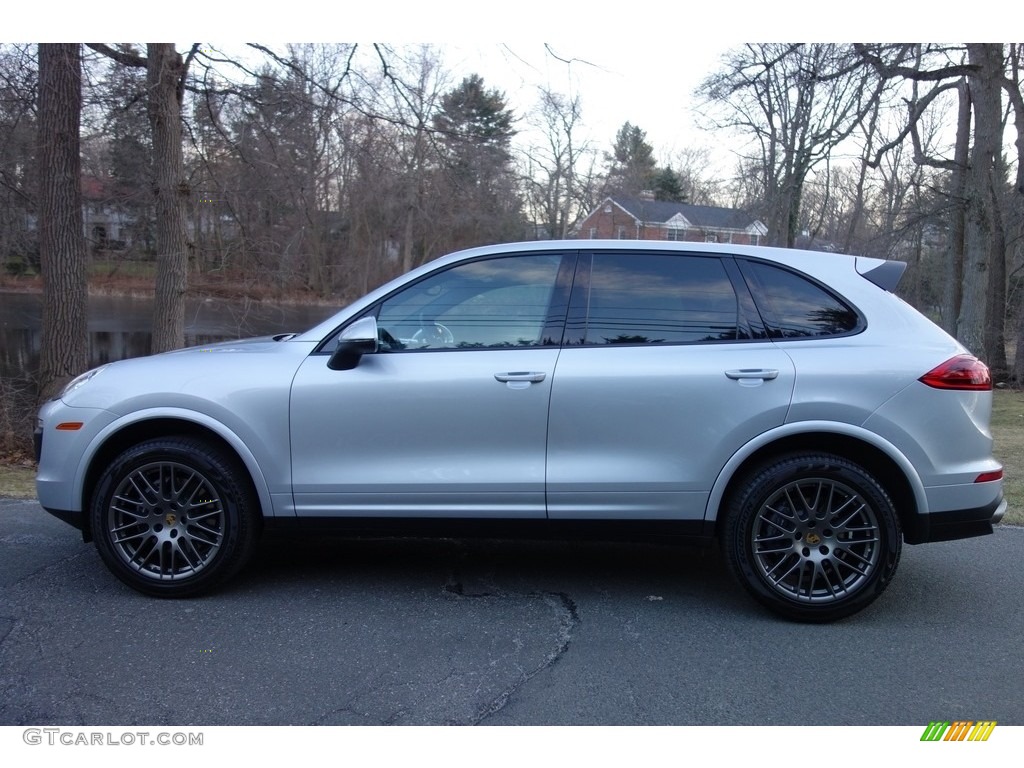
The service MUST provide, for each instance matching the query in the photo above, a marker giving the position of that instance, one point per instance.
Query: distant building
(110, 217)
(643, 218)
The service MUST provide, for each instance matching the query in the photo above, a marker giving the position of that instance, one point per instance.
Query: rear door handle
(765, 374)
(529, 376)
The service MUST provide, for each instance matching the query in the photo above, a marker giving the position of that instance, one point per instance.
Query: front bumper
(74, 518)
(63, 439)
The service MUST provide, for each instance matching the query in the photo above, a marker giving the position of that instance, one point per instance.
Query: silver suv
(785, 403)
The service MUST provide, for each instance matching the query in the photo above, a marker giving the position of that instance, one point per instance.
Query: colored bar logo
(961, 730)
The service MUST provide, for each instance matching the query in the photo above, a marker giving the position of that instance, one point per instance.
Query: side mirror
(357, 340)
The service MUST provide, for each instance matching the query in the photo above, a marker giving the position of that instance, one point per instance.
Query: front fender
(252, 465)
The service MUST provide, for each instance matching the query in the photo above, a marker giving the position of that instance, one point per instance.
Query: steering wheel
(434, 335)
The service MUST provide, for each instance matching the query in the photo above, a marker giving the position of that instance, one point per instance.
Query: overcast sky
(636, 62)
(653, 90)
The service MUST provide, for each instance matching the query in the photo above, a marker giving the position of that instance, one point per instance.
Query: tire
(174, 517)
(813, 537)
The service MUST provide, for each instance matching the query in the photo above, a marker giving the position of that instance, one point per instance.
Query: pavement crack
(7, 624)
(569, 620)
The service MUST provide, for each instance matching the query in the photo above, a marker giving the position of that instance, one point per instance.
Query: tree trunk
(1018, 360)
(164, 73)
(985, 244)
(952, 295)
(990, 128)
(64, 351)
(995, 308)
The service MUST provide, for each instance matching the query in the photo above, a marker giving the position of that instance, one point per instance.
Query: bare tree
(166, 71)
(417, 82)
(556, 171)
(978, 172)
(700, 184)
(62, 242)
(796, 102)
(983, 313)
(1013, 86)
(19, 250)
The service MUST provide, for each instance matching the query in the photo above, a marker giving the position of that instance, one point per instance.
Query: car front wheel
(813, 537)
(174, 517)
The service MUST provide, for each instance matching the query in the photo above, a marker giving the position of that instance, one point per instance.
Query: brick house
(643, 218)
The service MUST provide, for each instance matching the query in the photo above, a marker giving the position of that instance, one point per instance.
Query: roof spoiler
(885, 274)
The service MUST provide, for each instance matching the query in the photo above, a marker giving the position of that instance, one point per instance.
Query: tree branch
(121, 57)
(911, 73)
(916, 109)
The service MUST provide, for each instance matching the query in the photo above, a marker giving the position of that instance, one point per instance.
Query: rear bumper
(955, 524)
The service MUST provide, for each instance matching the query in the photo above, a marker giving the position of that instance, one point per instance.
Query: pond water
(120, 326)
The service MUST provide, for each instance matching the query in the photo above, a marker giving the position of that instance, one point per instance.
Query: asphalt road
(418, 632)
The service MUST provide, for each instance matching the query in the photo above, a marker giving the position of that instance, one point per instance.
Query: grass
(1008, 431)
(18, 480)
(124, 268)
(17, 477)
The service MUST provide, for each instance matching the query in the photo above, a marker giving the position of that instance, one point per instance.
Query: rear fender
(762, 444)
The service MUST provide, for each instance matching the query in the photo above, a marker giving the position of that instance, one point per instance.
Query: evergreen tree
(475, 128)
(631, 166)
(668, 186)
(475, 132)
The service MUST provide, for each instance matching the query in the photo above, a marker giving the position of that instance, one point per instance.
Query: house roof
(703, 216)
(98, 189)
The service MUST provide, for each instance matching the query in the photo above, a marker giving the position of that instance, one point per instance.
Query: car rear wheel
(174, 517)
(813, 537)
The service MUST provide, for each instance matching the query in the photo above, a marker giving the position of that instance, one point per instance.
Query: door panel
(430, 434)
(642, 432)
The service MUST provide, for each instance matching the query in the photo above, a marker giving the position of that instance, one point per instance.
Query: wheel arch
(122, 434)
(879, 457)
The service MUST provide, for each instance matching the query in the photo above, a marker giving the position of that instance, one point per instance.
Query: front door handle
(764, 374)
(528, 376)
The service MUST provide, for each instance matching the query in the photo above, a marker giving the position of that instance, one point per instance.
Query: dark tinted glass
(794, 307)
(659, 299)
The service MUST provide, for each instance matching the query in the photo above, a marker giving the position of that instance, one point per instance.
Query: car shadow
(483, 567)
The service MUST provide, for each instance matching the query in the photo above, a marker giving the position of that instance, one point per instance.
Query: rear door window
(638, 298)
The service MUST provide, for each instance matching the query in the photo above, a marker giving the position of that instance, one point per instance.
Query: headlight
(78, 381)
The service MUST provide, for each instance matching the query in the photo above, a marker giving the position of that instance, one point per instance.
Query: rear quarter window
(795, 307)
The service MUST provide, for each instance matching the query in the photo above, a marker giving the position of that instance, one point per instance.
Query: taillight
(964, 372)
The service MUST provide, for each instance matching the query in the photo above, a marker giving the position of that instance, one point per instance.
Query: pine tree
(631, 165)
(475, 131)
(668, 185)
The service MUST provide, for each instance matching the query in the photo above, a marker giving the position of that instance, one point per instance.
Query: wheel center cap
(812, 538)
(171, 518)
